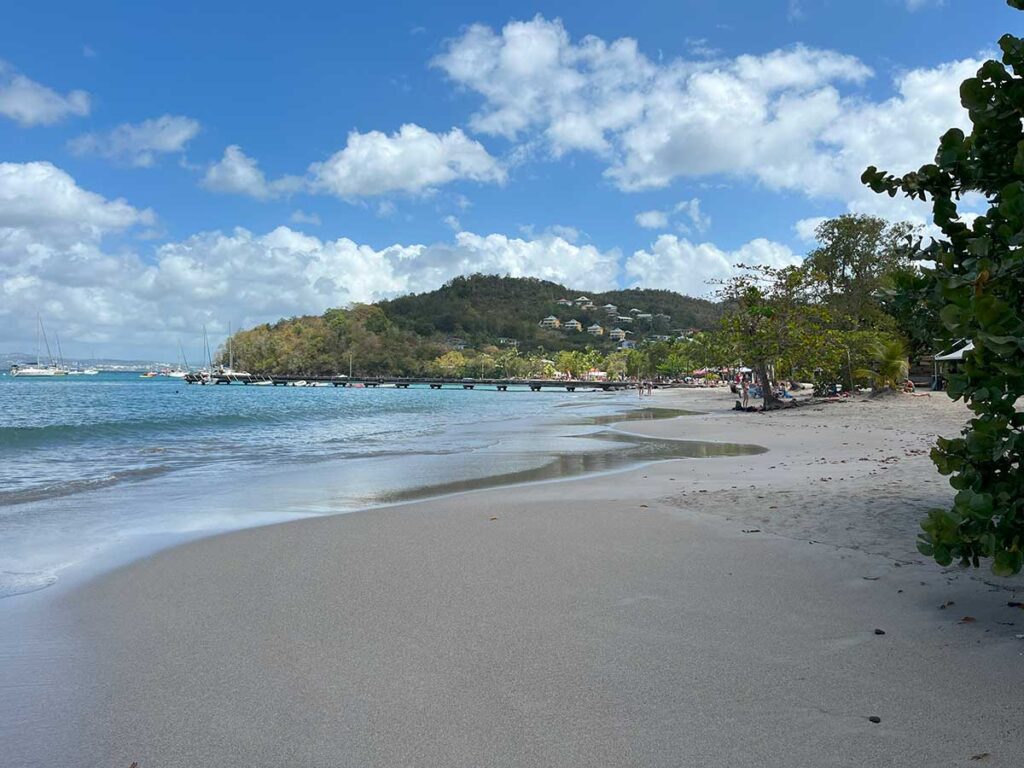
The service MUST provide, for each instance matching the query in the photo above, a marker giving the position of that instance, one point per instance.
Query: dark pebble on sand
(879, 631)
(875, 719)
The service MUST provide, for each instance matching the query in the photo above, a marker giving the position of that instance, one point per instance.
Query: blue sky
(166, 167)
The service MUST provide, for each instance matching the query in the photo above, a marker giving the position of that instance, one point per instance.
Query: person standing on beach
(746, 393)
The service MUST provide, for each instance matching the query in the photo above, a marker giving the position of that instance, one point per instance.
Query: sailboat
(229, 371)
(39, 369)
(181, 371)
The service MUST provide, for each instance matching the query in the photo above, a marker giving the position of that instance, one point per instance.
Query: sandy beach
(696, 612)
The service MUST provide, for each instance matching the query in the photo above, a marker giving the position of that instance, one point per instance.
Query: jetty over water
(535, 385)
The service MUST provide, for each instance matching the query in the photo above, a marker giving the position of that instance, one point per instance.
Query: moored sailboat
(39, 369)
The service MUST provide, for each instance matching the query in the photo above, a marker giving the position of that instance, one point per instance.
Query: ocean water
(88, 464)
(61, 436)
(95, 468)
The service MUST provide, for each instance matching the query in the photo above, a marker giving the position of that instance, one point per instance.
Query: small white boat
(299, 383)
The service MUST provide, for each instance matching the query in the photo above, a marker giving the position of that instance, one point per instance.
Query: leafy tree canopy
(977, 289)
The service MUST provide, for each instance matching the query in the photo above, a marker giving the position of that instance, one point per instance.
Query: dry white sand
(621, 620)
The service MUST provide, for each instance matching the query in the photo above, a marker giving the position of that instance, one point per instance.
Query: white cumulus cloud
(39, 200)
(652, 219)
(806, 228)
(412, 160)
(690, 268)
(695, 217)
(237, 173)
(55, 258)
(138, 144)
(30, 103)
(689, 210)
(794, 119)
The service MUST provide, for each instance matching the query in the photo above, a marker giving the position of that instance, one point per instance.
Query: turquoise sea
(94, 467)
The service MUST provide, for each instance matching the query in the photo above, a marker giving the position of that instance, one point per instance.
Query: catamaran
(39, 369)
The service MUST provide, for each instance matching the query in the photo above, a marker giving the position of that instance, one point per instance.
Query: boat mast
(42, 330)
(60, 354)
(231, 352)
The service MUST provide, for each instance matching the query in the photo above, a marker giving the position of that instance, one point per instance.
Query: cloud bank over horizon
(103, 295)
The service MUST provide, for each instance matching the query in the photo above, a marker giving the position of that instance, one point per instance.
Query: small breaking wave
(70, 487)
(14, 583)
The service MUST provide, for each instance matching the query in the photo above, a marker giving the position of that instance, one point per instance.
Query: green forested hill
(479, 313)
(484, 308)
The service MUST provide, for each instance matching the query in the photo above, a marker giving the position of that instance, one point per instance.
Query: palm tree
(891, 365)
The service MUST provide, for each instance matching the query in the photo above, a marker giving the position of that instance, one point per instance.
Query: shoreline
(284, 504)
(634, 618)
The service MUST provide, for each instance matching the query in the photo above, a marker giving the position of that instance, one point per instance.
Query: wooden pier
(502, 385)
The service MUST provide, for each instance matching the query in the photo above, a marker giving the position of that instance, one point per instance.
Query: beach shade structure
(956, 354)
(700, 372)
(744, 369)
(953, 356)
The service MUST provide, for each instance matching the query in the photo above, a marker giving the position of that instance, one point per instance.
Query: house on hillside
(564, 302)
(572, 325)
(610, 309)
(550, 322)
(505, 341)
(581, 300)
(662, 317)
(455, 342)
(627, 344)
(623, 319)
(634, 311)
(617, 334)
(659, 337)
(595, 330)
(644, 316)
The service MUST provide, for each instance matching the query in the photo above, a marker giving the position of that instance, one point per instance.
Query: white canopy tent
(956, 354)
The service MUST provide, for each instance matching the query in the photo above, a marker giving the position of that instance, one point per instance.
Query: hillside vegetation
(482, 313)
(484, 308)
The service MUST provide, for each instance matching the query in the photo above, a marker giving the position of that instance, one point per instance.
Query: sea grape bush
(977, 289)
